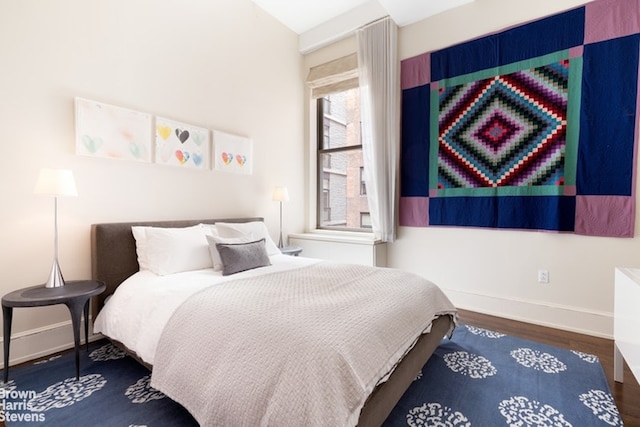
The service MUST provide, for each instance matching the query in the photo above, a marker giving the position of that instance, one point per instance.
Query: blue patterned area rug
(483, 378)
(479, 378)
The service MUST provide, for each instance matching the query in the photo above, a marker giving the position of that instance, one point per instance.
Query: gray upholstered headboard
(113, 251)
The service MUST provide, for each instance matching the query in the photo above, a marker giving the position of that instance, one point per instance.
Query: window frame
(362, 216)
(320, 134)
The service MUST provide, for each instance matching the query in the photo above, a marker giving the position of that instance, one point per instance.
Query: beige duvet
(303, 347)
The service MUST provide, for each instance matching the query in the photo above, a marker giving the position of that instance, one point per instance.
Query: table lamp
(280, 194)
(55, 182)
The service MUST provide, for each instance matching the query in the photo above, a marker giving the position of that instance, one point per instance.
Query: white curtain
(380, 115)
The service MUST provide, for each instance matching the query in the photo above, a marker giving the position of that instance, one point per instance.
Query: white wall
(218, 64)
(496, 271)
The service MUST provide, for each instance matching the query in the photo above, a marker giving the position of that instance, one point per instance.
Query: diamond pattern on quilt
(507, 130)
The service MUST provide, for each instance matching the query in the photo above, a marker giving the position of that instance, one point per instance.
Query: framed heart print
(180, 144)
(233, 153)
(104, 130)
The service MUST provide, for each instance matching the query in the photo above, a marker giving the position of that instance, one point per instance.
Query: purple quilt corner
(415, 71)
(607, 19)
(414, 211)
(607, 216)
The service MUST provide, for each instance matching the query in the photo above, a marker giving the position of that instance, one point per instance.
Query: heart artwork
(135, 150)
(197, 138)
(227, 158)
(197, 159)
(182, 135)
(182, 156)
(163, 131)
(91, 144)
(241, 160)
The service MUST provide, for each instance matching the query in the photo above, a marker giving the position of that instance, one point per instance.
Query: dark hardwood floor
(626, 395)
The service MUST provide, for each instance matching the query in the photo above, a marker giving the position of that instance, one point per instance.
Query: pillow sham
(171, 250)
(213, 240)
(257, 228)
(140, 236)
(237, 257)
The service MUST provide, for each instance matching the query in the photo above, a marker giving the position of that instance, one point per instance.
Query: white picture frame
(109, 131)
(233, 153)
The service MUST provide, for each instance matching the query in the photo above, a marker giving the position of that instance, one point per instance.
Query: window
(365, 220)
(327, 140)
(342, 200)
(326, 105)
(324, 201)
(363, 185)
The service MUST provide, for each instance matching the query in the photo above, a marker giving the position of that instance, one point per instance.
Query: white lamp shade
(56, 182)
(281, 194)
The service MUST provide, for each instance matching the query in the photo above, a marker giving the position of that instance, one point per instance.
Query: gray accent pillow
(237, 257)
(213, 250)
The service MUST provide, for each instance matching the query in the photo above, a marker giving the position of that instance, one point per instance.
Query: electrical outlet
(543, 276)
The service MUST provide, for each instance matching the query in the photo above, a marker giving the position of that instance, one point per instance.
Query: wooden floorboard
(626, 395)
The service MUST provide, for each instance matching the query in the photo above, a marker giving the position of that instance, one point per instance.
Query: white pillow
(210, 229)
(213, 250)
(257, 228)
(172, 250)
(140, 236)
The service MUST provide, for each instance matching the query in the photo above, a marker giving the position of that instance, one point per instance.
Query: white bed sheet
(142, 305)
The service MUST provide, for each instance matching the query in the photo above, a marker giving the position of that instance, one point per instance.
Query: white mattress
(138, 311)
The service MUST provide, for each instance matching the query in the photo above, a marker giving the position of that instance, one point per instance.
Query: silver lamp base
(55, 277)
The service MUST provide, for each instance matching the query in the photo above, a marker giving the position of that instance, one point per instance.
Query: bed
(115, 262)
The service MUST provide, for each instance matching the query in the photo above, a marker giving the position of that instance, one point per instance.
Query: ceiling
(320, 22)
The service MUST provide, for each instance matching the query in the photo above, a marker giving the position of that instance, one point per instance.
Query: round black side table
(74, 294)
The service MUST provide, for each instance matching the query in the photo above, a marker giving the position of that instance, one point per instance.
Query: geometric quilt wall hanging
(533, 128)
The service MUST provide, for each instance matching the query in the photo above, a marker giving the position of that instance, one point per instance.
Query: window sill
(342, 246)
(352, 237)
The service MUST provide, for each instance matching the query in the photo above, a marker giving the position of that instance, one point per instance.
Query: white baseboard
(40, 342)
(574, 319)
